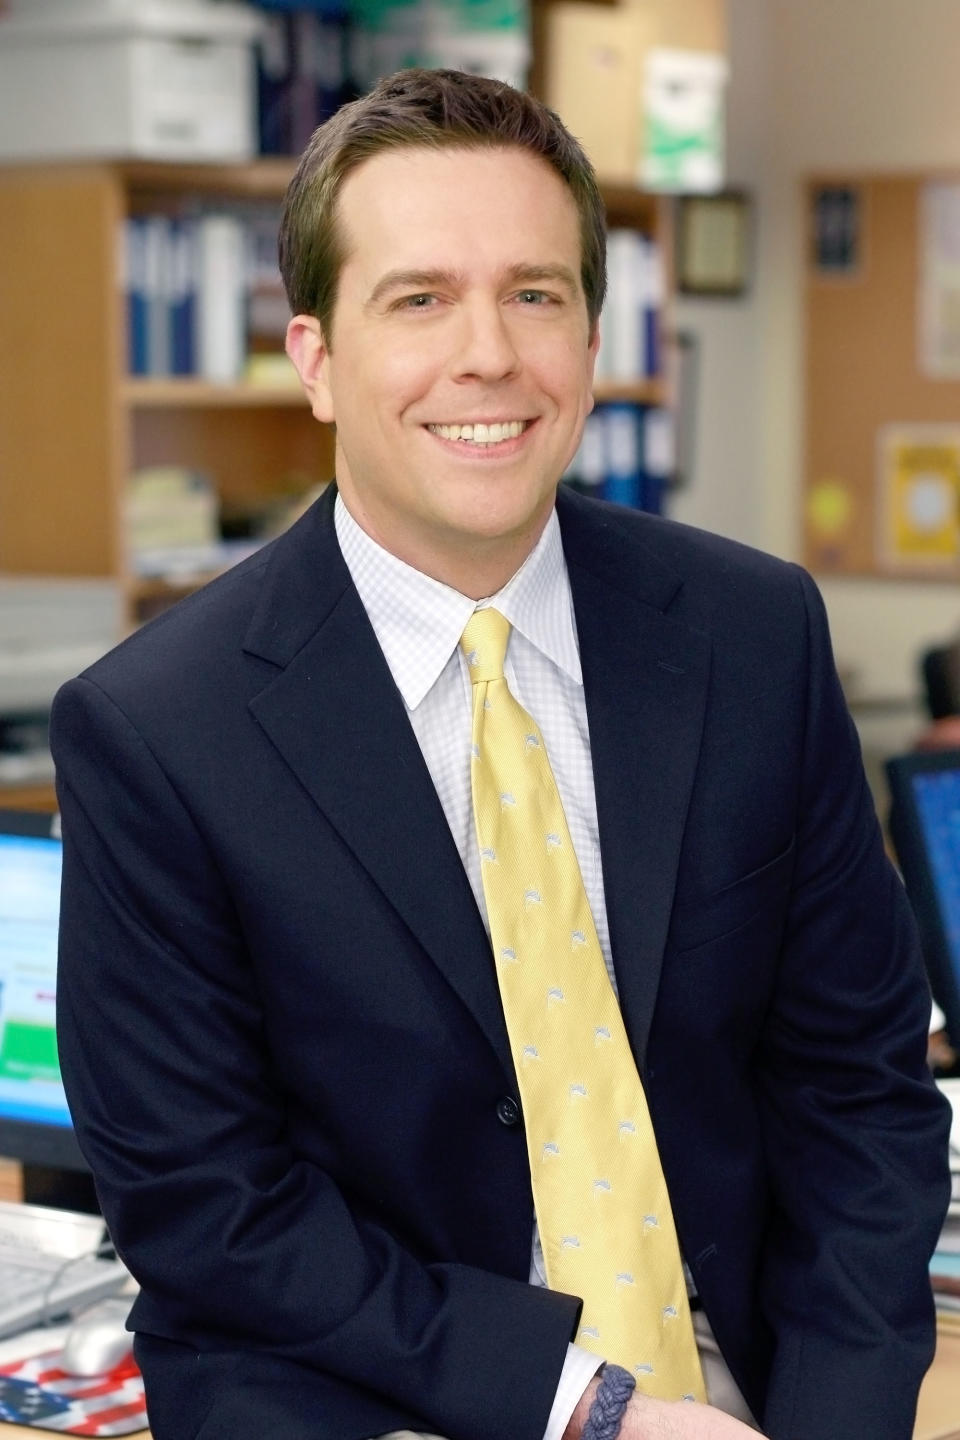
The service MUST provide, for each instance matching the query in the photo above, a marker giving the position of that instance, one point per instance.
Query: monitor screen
(35, 1123)
(925, 827)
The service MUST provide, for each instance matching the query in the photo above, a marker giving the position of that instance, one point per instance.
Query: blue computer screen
(30, 1087)
(937, 793)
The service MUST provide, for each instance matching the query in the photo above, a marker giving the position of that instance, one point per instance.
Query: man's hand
(648, 1419)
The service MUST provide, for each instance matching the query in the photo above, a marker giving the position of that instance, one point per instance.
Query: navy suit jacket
(283, 1042)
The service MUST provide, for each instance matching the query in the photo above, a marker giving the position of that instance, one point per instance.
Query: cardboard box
(595, 65)
(166, 80)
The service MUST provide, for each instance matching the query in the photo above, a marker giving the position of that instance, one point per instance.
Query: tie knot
(484, 644)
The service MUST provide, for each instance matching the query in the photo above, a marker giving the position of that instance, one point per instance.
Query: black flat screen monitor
(925, 828)
(35, 1125)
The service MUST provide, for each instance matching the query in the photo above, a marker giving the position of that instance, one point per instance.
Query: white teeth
(480, 433)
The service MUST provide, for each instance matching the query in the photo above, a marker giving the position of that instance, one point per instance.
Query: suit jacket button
(508, 1111)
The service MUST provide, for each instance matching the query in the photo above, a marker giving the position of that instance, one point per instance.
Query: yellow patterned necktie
(601, 1200)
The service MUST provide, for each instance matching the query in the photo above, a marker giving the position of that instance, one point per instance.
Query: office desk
(29, 1432)
(10, 1188)
(938, 1414)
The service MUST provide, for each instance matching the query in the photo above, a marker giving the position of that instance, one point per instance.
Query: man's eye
(534, 297)
(416, 302)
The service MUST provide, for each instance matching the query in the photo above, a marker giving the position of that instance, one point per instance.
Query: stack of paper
(172, 522)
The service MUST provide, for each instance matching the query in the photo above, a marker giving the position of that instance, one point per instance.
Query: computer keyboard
(52, 1263)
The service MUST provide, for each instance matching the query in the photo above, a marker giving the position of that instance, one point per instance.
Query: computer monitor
(925, 829)
(35, 1125)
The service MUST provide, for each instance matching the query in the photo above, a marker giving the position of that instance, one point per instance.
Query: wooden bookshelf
(74, 424)
(41, 796)
(188, 393)
(263, 179)
(143, 394)
(638, 392)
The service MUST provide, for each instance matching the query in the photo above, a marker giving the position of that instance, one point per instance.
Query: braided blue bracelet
(609, 1403)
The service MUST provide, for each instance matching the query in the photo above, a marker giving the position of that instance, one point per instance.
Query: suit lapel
(337, 719)
(335, 715)
(645, 682)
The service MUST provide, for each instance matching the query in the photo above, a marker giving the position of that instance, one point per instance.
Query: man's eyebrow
(532, 274)
(412, 280)
(426, 280)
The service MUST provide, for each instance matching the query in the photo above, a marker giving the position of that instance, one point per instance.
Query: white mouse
(97, 1340)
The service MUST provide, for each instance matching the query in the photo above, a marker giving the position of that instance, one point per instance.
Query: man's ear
(311, 358)
(593, 350)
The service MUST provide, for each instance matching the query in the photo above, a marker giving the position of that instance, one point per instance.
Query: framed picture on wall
(713, 244)
(836, 229)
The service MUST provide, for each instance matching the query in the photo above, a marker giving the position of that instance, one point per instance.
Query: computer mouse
(98, 1340)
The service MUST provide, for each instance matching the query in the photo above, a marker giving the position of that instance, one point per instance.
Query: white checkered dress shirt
(418, 622)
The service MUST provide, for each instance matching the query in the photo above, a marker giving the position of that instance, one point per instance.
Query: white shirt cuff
(579, 1368)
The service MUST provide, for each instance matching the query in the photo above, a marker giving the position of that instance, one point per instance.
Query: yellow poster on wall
(918, 490)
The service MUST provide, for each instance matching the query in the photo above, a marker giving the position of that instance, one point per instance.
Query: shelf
(147, 598)
(632, 392)
(265, 178)
(632, 208)
(142, 588)
(161, 587)
(186, 392)
(40, 796)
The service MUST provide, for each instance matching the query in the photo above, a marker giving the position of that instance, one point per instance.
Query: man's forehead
(460, 153)
(379, 199)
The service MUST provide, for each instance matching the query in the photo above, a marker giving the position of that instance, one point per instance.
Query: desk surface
(27, 1432)
(938, 1414)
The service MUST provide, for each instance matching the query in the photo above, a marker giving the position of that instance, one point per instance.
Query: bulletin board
(882, 376)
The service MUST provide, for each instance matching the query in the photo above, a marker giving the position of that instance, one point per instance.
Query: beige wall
(724, 495)
(866, 84)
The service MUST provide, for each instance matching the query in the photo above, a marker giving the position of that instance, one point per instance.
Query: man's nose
(486, 348)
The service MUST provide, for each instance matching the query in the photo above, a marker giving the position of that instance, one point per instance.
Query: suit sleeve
(238, 1243)
(855, 1131)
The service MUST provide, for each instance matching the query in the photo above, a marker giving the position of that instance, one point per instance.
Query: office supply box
(143, 79)
(603, 65)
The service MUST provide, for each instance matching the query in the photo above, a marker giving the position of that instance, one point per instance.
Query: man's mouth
(481, 433)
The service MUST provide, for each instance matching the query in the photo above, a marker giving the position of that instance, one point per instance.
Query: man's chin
(492, 513)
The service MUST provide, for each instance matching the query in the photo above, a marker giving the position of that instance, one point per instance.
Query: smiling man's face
(460, 367)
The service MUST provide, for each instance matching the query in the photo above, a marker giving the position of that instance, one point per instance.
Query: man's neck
(477, 570)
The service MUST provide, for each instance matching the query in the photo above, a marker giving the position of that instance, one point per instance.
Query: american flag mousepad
(38, 1393)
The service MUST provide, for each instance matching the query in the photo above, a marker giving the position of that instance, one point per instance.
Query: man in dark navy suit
(280, 1024)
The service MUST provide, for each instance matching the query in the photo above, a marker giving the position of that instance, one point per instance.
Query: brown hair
(433, 109)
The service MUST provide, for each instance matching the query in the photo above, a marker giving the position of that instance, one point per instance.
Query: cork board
(882, 431)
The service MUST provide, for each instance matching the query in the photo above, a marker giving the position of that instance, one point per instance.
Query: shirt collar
(418, 620)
